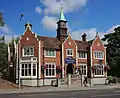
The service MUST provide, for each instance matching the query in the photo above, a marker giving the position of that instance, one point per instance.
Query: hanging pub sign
(70, 60)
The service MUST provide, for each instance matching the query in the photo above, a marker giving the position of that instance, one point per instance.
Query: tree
(113, 51)
(2, 23)
(3, 54)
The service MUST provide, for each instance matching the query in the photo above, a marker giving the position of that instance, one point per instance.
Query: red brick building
(60, 52)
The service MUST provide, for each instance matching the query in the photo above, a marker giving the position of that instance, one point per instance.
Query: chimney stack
(84, 37)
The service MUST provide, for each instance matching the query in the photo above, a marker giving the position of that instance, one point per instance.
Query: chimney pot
(84, 37)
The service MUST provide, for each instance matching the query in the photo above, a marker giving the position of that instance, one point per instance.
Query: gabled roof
(50, 42)
(82, 45)
(54, 43)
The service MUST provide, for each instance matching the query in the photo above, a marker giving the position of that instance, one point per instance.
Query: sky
(83, 16)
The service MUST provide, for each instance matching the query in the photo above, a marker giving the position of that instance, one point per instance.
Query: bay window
(50, 70)
(99, 70)
(28, 69)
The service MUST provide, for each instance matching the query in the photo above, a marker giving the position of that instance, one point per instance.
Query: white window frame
(101, 70)
(82, 52)
(48, 72)
(27, 47)
(67, 52)
(49, 50)
(98, 52)
(83, 68)
(31, 76)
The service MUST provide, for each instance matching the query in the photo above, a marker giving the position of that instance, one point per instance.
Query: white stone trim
(105, 61)
(76, 56)
(105, 55)
(39, 64)
(17, 64)
(63, 70)
(67, 39)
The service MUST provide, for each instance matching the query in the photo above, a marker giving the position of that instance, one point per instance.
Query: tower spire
(62, 14)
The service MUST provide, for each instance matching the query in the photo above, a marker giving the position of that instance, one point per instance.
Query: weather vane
(61, 4)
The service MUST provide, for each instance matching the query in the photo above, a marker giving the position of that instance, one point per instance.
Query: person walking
(85, 81)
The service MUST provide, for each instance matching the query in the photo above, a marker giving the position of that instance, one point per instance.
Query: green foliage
(2, 23)
(3, 54)
(113, 51)
(112, 79)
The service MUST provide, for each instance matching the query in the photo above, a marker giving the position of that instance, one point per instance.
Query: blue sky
(89, 16)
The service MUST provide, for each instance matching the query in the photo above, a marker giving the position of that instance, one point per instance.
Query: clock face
(27, 38)
(69, 43)
(98, 44)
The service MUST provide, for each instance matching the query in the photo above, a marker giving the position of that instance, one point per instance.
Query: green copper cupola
(62, 15)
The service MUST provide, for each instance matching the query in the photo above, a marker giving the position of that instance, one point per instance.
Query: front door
(69, 69)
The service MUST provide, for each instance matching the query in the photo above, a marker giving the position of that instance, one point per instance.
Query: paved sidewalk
(53, 89)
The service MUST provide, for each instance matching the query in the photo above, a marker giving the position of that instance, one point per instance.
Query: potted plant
(106, 67)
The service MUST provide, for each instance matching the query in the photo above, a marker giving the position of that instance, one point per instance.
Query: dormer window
(82, 55)
(28, 51)
(50, 53)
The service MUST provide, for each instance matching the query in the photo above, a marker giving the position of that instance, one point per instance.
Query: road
(114, 93)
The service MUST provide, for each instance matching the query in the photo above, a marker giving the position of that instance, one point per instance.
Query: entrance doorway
(70, 69)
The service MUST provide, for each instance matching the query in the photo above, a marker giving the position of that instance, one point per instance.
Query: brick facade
(60, 47)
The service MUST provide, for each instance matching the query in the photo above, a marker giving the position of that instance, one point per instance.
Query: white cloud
(5, 30)
(91, 33)
(49, 22)
(53, 6)
(38, 9)
(111, 30)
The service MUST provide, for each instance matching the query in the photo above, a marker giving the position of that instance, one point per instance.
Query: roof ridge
(48, 37)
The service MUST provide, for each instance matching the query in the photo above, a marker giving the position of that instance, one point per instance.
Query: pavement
(58, 89)
(106, 93)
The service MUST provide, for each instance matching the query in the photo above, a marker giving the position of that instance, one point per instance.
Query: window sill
(27, 55)
(28, 76)
(69, 55)
(82, 58)
(99, 58)
(50, 76)
(50, 56)
(99, 75)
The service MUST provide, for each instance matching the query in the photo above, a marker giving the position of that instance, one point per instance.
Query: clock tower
(62, 30)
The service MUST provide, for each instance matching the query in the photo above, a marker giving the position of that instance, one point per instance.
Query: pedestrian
(85, 81)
